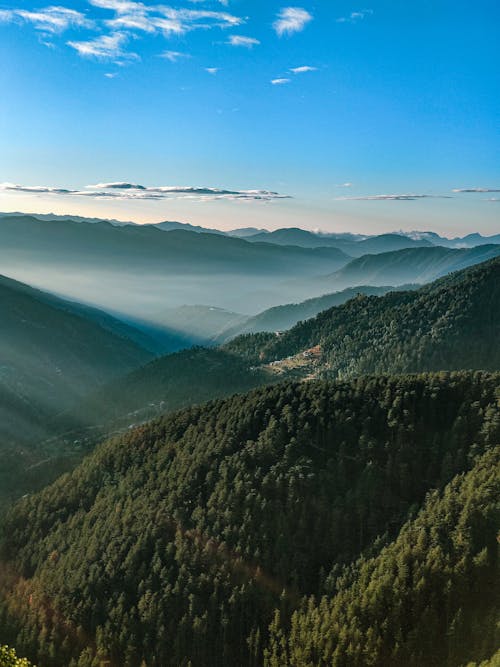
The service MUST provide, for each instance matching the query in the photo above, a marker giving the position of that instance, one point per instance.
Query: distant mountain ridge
(139, 269)
(409, 265)
(287, 235)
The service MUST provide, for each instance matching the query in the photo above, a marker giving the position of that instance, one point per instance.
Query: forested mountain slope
(280, 318)
(171, 382)
(451, 324)
(51, 354)
(180, 541)
(432, 597)
(411, 265)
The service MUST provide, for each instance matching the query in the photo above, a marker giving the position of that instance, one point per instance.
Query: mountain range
(140, 270)
(317, 486)
(144, 275)
(451, 324)
(56, 411)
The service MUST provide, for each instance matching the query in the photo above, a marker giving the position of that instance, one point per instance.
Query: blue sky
(341, 108)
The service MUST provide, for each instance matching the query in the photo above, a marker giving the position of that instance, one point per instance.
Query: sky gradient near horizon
(234, 113)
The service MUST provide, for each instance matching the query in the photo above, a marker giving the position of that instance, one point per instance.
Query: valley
(249, 334)
(192, 449)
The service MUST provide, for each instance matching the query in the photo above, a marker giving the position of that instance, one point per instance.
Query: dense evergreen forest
(451, 324)
(171, 382)
(429, 598)
(302, 524)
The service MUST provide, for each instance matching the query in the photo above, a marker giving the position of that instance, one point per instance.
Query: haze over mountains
(452, 324)
(54, 351)
(141, 273)
(291, 464)
(140, 269)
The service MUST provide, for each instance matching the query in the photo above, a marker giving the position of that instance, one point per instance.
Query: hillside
(414, 265)
(432, 597)
(52, 353)
(280, 318)
(451, 324)
(169, 342)
(180, 541)
(168, 383)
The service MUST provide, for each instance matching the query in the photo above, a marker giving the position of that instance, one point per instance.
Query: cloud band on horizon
(394, 197)
(123, 191)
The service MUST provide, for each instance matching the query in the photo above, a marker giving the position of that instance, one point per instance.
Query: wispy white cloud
(174, 56)
(122, 19)
(476, 190)
(290, 20)
(51, 19)
(398, 197)
(303, 69)
(121, 6)
(123, 191)
(166, 20)
(240, 40)
(354, 17)
(212, 70)
(105, 47)
(344, 185)
(279, 82)
(34, 189)
(222, 2)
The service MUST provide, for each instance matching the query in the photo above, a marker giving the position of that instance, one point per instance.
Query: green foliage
(494, 661)
(166, 384)
(429, 598)
(181, 542)
(451, 324)
(286, 316)
(8, 658)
